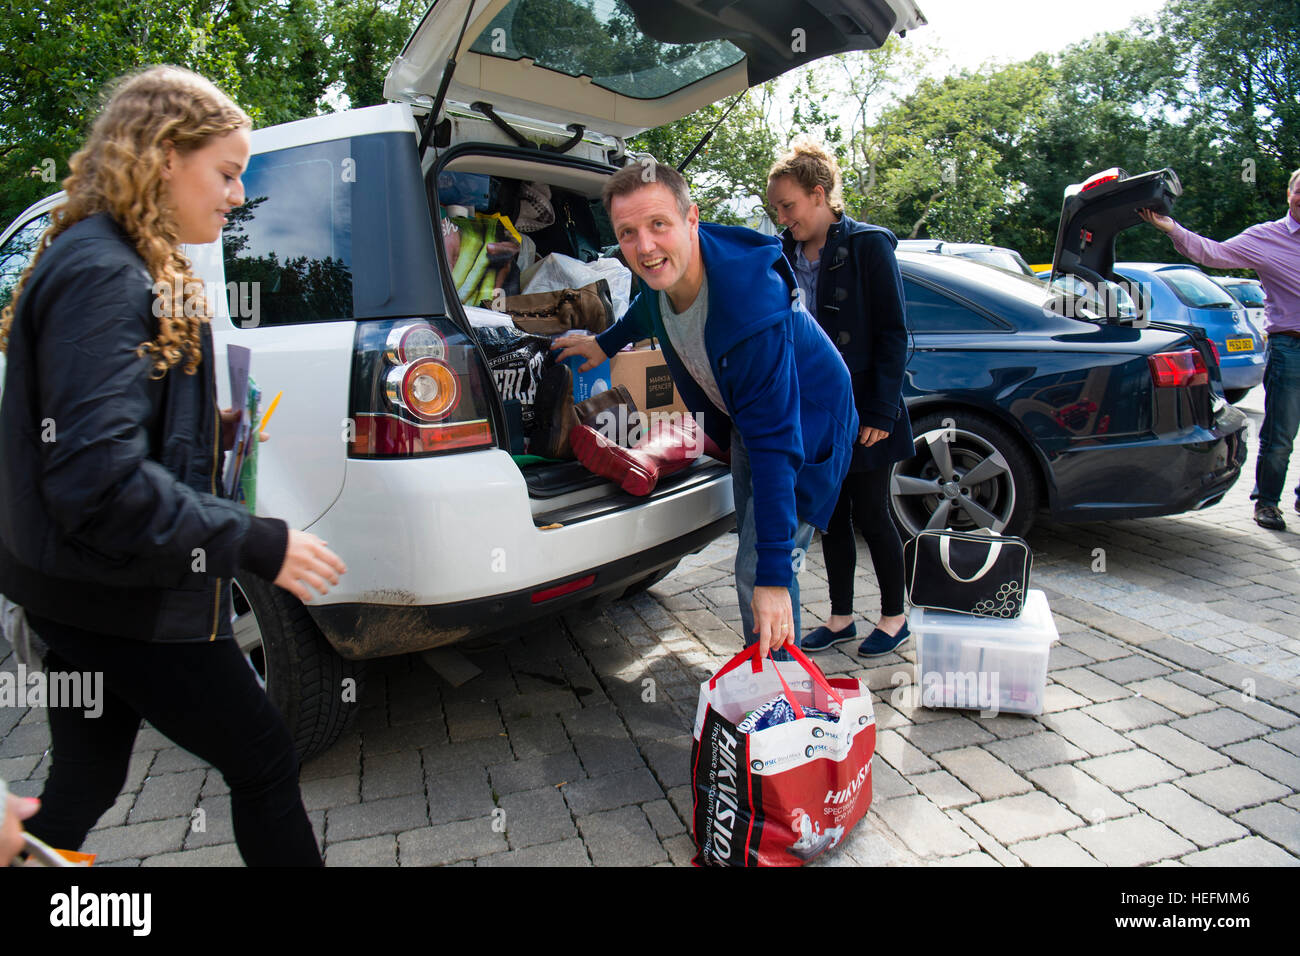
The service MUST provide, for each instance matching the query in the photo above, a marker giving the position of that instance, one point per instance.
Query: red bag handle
(735, 662)
(751, 653)
(814, 672)
(789, 694)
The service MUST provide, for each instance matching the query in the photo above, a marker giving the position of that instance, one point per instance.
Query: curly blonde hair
(119, 171)
(811, 164)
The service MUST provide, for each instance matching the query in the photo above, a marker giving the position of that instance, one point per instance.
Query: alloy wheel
(957, 479)
(248, 634)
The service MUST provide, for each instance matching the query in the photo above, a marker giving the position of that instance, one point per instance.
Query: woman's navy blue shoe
(823, 638)
(878, 642)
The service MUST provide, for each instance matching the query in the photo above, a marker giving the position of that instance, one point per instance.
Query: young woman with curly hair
(113, 538)
(849, 280)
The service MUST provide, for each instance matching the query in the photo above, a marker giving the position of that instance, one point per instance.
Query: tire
(1007, 494)
(647, 583)
(1234, 395)
(301, 673)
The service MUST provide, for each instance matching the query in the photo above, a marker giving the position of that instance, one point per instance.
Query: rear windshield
(332, 231)
(1125, 308)
(1002, 260)
(1196, 289)
(1248, 293)
(600, 38)
(1026, 289)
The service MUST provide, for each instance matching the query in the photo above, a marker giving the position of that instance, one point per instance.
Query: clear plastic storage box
(984, 663)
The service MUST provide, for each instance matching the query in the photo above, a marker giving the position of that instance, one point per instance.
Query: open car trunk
(602, 69)
(623, 66)
(1094, 213)
(506, 181)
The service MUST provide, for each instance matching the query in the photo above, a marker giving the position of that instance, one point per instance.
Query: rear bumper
(1149, 479)
(360, 631)
(440, 548)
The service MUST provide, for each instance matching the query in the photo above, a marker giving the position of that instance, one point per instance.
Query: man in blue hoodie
(752, 363)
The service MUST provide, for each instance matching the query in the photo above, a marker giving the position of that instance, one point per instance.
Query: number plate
(1241, 345)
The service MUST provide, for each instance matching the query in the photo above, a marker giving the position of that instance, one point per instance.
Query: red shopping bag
(783, 795)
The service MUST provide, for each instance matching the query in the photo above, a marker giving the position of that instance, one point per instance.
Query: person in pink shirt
(1272, 249)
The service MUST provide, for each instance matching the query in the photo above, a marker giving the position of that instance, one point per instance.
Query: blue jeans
(1281, 418)
(742, 484)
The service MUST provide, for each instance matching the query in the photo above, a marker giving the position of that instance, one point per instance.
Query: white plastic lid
(1034, 623)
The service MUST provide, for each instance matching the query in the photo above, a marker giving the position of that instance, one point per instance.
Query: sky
(1009, 30)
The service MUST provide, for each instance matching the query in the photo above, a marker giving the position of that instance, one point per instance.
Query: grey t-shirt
(686, 333)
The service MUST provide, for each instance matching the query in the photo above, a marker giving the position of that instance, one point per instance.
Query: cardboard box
(645, 374)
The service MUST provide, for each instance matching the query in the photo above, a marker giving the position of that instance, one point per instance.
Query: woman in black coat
(850, 282)
(113, 538)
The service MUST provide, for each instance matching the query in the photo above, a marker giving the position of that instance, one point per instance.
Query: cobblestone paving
(1171, 732)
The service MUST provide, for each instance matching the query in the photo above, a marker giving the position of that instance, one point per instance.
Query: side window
(930, 311)
(16, 253)
(288, 249)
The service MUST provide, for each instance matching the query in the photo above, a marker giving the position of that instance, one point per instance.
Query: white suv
(338, 283)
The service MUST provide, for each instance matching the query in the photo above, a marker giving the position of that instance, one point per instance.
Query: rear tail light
(1214, 350)
(410, 341)
(427, 388)
(1097, 179)
(418, 388)
(1177, 369)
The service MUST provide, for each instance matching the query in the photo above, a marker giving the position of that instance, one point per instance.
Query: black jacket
(109, 515)
(860, 307)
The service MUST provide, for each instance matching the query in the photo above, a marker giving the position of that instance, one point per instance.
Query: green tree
(368, 35)
(1105, 104)
(59, 55)
(735, 162)
(838, 99)
(285, 62)
(949, 153)
(1240, 66)
(279, 59)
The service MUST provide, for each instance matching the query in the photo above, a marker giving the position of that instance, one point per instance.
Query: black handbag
(970, 573)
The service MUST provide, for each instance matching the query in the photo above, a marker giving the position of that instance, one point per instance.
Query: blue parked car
(1184, 295)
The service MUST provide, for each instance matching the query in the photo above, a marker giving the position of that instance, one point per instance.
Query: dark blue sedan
(1017, 408)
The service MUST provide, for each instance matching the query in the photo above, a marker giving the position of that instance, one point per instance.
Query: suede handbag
(590, 308)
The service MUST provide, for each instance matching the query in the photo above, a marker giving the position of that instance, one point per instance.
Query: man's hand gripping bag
(782, 795)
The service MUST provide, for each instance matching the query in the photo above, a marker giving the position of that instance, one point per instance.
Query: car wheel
(1234, 395)
(967, 473)
(302, 674)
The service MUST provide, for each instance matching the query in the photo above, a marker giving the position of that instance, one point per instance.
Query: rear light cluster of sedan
(418, 388)
(1097, 179)
(1178, 369)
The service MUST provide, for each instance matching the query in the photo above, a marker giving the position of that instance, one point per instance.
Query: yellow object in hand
(267, 417)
